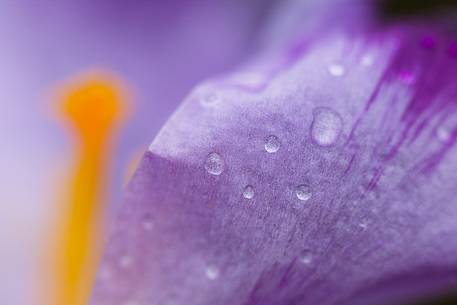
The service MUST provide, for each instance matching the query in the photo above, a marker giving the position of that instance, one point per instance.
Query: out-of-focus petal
(161, 49)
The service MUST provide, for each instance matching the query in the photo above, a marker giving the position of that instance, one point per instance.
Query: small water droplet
(209, 100)
(214, 164)
(125, 261)
(306, 257)
(443, 134)
(363, 224)
(147, 223)
(407, 77)
(326, 126)
(212, 272)
(336, 70)
(303, 192)
(367, 60)
(272, 144)
(248, 192)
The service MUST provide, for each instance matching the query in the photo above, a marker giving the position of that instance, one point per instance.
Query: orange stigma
(93, 107)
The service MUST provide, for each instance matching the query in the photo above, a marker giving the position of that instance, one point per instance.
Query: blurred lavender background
(160, 49)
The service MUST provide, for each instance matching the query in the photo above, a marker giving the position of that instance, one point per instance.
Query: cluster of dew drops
(325, 129)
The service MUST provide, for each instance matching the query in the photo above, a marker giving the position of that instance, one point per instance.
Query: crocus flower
(321, 172)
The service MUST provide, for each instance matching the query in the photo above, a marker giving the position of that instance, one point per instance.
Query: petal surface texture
(323, 173)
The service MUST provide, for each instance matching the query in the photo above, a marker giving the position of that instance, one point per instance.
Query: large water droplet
(272, 144)
(336, 70)
(303, 192)
(326, 126)
(214, 164)
(212, 272)
(248, 192)
(305, 257)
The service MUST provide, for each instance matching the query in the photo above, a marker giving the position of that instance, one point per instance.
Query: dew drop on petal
(305, 257)
(212, 272)
(406, 77)
(367, 60)
(147, 223)
(272, 144)
(363, 225)
(303, 192)
(443, 134)
(248, 192)
(214, 164)
(326, 126)
(336, 70)
(125, 261)
(210, 100)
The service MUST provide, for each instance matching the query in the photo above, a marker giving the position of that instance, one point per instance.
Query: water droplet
(214, 164)
(210, 100)
(303, 192)
(212, 272)
(443, 134)
(248, 192)
(363, 225)
(125, 261)
(326, 126)
(407, 77)
(305, 257)
(272, 144)
(336, 70)
(146, 223)
(367, 60)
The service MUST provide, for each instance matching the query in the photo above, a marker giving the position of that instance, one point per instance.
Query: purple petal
(327, 176)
